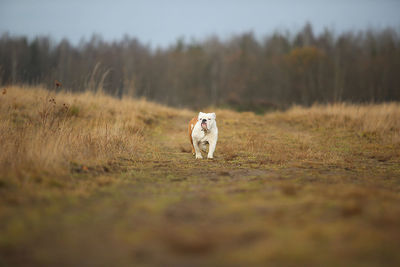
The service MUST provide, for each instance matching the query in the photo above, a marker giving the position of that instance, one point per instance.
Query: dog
(203, 130)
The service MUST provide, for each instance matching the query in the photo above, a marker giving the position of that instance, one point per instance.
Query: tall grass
(326, 134)
(44, 133)
(381, 120)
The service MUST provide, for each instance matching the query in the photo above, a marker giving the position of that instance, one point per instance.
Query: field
(89, 180)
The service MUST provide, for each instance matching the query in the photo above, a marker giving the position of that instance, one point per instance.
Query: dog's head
(207, 120)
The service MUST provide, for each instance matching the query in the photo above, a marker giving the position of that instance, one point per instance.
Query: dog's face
(207, 120)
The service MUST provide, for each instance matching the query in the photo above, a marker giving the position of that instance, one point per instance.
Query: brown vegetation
(46, 134)
(87, 179)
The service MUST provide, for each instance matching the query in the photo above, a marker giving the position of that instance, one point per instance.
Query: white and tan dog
(202, 131)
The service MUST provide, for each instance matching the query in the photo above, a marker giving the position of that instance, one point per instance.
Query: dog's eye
(200, 119)
(209, 119)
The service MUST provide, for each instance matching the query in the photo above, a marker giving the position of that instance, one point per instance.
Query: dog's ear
(201, 114)
(213, 115)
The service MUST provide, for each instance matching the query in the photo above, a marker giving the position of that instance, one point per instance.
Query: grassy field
(89, 180)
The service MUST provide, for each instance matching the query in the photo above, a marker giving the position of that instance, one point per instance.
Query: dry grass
(329, 134)
(381, 120)
(86, 179)
(46, 134)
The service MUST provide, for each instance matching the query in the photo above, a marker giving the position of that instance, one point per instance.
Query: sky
(160, 23)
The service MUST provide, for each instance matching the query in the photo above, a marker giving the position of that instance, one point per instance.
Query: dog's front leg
(211, 148)
(197, 149)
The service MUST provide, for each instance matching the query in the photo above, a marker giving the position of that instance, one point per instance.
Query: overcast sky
(160, 23)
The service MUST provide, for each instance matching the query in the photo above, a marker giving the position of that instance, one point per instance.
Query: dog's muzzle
(204, 124)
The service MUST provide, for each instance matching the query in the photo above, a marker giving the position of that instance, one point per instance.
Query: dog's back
(191, 125)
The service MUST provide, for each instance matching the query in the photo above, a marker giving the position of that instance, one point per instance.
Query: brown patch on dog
(191, 125)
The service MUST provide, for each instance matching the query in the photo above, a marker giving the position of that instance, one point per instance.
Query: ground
(313, 186)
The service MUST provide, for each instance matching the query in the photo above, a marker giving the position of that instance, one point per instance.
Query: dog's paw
(199, 156)
(210, 157)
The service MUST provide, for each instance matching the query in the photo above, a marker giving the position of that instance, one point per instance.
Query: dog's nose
(204, 120)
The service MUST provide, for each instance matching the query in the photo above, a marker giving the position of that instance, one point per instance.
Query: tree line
(242, 72)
